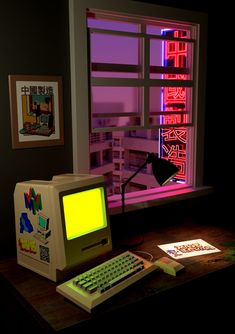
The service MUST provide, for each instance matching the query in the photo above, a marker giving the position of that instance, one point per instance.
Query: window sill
(146, 199)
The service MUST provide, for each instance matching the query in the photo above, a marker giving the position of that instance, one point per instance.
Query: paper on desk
(182, 249)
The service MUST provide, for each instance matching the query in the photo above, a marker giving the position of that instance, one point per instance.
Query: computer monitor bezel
(89, 244)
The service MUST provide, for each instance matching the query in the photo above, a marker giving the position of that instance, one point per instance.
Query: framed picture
(36, 107)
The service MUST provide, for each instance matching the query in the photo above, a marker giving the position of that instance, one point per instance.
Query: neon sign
(173, 140)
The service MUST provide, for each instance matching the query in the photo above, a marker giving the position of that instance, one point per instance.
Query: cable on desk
(146, 253)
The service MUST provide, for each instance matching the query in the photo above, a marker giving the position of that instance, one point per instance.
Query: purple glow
(112, 49)
(112, 25)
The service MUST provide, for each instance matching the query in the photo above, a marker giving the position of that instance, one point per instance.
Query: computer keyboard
(96, 285)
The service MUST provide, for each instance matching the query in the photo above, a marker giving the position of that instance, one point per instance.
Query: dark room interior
(35, 41)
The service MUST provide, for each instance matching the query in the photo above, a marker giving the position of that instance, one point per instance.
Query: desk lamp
(163, 170)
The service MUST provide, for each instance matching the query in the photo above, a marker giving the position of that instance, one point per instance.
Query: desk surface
(54, 313)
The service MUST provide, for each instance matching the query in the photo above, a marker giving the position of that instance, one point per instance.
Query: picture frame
(36, 109)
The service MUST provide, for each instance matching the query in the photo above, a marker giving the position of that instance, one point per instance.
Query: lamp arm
(124, 184)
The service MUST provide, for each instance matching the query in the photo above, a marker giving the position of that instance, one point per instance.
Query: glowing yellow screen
(84, 212)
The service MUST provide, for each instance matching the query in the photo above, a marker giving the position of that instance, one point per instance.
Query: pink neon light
(173, 141)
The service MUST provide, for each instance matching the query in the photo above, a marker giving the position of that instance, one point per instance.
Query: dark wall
(34, 39)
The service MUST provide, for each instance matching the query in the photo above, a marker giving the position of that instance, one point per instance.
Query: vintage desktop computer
(61, 223)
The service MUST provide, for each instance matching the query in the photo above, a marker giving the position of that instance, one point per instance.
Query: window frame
(145, 82)
(80, 82)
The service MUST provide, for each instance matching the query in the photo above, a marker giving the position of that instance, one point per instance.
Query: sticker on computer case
(25, 223)
(42, 230)
(33, 201)
(44, 253)
(27, 245)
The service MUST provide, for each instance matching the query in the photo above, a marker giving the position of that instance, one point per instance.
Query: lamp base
(132, 241)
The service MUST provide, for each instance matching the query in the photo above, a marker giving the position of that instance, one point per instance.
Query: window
(137, 87)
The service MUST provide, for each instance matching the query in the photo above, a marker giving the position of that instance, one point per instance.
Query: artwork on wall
(36, 106)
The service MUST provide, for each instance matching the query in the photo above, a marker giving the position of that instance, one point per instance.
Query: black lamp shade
(163, 170)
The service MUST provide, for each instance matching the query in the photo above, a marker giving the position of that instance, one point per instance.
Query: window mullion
(140, 82)
(146, 67)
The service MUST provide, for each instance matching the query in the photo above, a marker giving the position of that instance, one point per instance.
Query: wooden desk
(31, 301)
